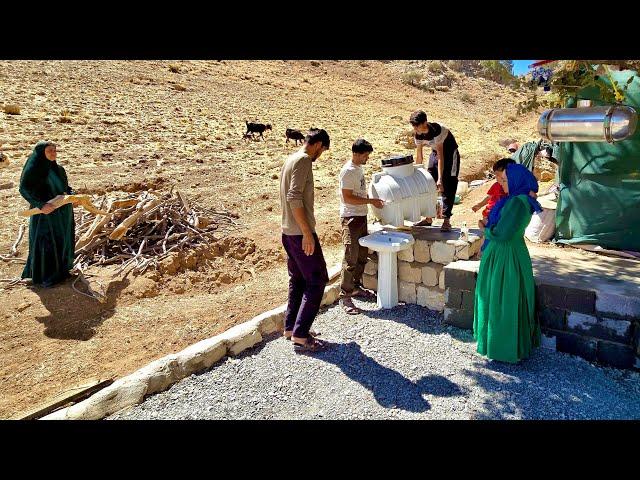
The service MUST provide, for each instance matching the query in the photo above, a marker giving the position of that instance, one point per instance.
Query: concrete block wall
(460, 288)
(582, 325)
(595, 325)
(421, 278)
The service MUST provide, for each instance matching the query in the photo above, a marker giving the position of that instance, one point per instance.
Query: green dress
(51, 237)
(504, 321)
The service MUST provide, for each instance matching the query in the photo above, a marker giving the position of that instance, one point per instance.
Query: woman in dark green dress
(504, 317)
(51, 233)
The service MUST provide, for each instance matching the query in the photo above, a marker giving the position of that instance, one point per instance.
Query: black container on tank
(397, 161)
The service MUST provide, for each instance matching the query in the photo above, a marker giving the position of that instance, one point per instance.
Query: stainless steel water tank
(610, 123)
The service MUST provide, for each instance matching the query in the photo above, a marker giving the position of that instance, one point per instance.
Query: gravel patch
(402, 363)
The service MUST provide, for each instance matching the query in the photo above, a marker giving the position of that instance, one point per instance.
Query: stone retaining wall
(164, 372)
(421, 269)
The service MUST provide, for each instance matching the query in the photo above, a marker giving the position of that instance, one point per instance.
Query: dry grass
(455, 65)
(412, 78)
(436, 67)
(65, 117)
(465, 97)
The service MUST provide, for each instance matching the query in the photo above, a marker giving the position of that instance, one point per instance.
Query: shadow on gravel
(390, 388)
(517, 394)
(531, 390)
(417, 317)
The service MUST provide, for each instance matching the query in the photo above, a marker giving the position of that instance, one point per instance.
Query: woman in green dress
(504, 323)
(51, 233)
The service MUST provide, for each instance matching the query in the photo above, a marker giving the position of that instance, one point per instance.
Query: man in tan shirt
(307, 267)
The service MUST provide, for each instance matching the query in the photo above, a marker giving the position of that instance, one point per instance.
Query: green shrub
(412, 78)
(436, 67)
(496, 71)
(465, 97)
(455, 65)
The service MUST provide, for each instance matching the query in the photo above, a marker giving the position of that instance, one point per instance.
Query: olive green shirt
(296, 190)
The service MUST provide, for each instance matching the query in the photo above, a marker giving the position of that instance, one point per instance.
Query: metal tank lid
(397, 161)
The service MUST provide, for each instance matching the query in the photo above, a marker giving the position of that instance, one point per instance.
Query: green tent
(599, 200)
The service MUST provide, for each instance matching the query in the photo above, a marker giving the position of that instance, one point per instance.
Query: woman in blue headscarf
(504, 321)
(52, 232)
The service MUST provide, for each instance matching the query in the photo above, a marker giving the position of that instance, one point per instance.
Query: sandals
(311, 345)
(362, 293)
(423, 223)
(288, 333)
(348, 306)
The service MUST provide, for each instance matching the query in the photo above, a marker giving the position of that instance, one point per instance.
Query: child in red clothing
(495, 193)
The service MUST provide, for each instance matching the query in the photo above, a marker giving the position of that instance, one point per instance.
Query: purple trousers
(307, 279)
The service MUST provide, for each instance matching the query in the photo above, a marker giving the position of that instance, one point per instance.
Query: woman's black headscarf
(37, 167)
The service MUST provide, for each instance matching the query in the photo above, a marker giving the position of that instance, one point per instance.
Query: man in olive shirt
(307, 267)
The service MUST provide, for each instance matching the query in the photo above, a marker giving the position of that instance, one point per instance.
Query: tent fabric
(526, 154)
(599, 198)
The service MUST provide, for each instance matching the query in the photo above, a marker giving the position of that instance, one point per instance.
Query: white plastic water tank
(409, 191)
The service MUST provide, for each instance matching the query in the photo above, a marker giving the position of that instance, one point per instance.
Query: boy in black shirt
(444, 161)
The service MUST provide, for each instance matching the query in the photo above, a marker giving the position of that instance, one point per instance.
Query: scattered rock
(12, 109)
(23, 306)
(505, 142)
(4, 160)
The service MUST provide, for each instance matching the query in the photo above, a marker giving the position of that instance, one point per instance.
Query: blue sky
(521, 66)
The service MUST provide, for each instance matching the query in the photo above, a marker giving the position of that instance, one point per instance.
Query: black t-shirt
(441, 135)
(438, 134)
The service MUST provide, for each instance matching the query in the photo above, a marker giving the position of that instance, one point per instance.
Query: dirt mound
(230, 248)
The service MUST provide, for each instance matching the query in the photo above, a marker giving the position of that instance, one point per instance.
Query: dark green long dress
(504, 313)
(51, 237)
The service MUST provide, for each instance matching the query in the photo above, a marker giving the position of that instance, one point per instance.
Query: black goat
(294, 135)
(256, 128)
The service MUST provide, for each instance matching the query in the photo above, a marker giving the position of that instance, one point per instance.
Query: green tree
(508, 64)
(570, 76)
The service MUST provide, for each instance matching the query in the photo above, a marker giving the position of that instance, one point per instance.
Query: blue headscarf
(521, 181)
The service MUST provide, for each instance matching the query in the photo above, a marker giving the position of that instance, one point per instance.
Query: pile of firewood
(140, 231)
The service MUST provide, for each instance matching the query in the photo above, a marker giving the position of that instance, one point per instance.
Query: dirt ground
(137, 125)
